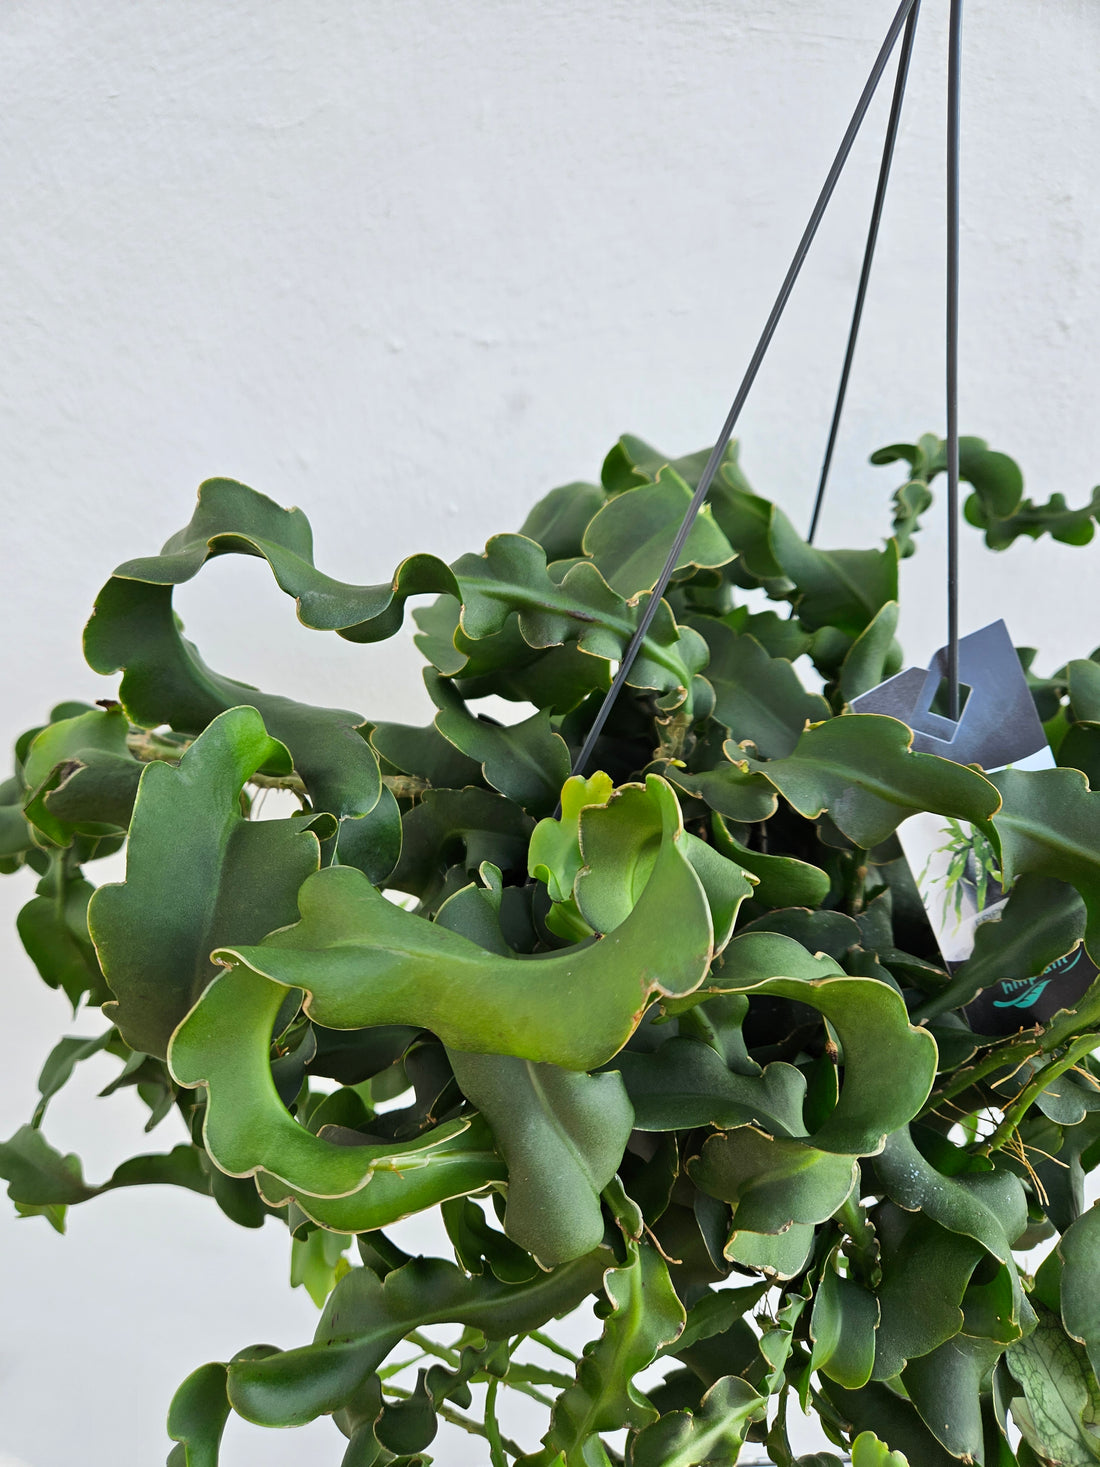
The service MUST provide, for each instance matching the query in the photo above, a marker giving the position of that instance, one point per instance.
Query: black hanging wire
(697, 500)
(892, 125)
(954, 76)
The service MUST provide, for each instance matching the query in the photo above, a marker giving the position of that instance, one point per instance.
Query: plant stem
(497, 1456)
(431, 1347)
(1000, 1059)
(148, 748)
(1083, 1045)
(551, 1344)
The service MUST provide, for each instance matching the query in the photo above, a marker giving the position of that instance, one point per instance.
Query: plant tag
(953, 864)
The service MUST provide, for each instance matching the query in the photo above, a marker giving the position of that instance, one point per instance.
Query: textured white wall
(408, 266)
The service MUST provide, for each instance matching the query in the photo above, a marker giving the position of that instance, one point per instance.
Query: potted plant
(671, 1034)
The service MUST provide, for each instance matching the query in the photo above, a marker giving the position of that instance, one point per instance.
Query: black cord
(868, 257)
(698, 498)
(954, 71)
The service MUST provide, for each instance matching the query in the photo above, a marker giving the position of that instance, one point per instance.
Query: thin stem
(1000, 1059)
(497, 1456)
(551, 1344)
(149, 749)
(432, 1347)
(1015, 1113)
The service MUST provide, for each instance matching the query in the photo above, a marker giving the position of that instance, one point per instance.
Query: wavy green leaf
(365, 1317)
(1048, 823)
(988, 1206)
(772, 1182)
(511, 576)
(562, 1136)
(527, 761)
(557, 522)
(197, 874)
(712, 1434)
(686, 1084)
(782, 881)
(630, 536)
(1059, 1414)
(361, 961)
(843, 1328)
(197, 1417)
(1079, 1250)
(889, 1065)
(645, 1315)
(915, 1320)
(863, 770)
(758, 697)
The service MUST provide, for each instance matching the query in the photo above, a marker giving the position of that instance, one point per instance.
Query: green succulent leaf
(712, 1434)
(914, 1321)
(843, 1329)
(197, 1417)
(862, 769)
(868, 1451)
(629, 537)
(1079, 1249)
(562, 1136)
(645, 1315)
(782, 881)
(511, 577)
(772, 1182)
(165, 681)
(528, 762)
(361, 960)
(1048, 824)
(1059, 1413)
(365, 1317)
(558, 520)
(757, 696)
(686, 1084)
(198, 873)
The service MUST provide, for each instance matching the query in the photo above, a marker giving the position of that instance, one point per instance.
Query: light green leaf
(868, 1451)
(361, 961)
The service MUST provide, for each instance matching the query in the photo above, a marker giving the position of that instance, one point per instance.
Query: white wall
(408, 266)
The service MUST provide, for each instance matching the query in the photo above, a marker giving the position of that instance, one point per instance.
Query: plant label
(954, 865)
